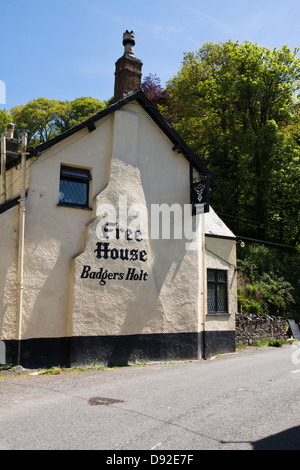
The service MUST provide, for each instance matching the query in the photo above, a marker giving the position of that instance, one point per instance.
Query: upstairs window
(217, 291)
(74, 187)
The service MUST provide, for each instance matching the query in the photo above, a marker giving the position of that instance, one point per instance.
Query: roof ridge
(153, 112)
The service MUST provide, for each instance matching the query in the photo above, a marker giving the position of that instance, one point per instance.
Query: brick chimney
(128, 73)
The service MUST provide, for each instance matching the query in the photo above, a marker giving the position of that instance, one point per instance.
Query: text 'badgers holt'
(104, 275)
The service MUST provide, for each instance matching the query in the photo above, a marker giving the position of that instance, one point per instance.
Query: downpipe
(22, 218)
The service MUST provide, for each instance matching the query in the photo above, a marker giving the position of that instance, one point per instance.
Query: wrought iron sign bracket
(199, 190)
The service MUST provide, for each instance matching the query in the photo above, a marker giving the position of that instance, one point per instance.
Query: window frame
(216, 282)
(75, 175)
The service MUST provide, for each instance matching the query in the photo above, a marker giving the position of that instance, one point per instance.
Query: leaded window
(74, 187)
(217, 291)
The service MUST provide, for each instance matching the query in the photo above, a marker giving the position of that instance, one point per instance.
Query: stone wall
(251, 326)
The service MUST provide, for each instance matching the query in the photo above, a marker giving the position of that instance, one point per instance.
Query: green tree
(38, 118)
(43, 119)
(76, 111)
(5, 118)
(268, 280)
(232, 104)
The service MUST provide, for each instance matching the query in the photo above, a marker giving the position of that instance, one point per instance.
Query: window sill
(213, 314)
(73, 206)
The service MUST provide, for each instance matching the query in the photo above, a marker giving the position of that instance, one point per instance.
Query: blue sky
(65, 49)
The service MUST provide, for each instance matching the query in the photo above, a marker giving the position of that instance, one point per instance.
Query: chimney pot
(129, 42)
(10, 130)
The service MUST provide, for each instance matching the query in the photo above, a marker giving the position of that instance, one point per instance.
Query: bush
(263, 284)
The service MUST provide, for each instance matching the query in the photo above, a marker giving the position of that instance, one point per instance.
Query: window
(216, 291)
(74, 187)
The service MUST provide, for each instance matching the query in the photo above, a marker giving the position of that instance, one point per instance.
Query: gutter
(22, 213)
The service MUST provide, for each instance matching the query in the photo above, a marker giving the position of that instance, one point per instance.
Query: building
(109, 249)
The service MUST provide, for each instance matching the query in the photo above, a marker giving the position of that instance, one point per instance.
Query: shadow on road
(285, 440)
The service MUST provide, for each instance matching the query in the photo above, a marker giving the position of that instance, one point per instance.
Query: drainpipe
(3, 171)
(203, 286)
(22, 211)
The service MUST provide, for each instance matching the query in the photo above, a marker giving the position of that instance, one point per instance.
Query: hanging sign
(200, 196)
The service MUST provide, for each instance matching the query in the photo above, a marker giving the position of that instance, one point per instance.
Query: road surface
(243, 401)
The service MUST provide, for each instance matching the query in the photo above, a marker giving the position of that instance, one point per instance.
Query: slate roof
(152, 111)
(215, 227)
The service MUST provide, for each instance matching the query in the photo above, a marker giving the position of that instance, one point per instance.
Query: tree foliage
(268, 280)
(152, 88)
(5, 118)
(232, 104)
(43, 118)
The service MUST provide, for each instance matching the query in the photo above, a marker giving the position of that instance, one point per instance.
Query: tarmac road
(243, 401)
